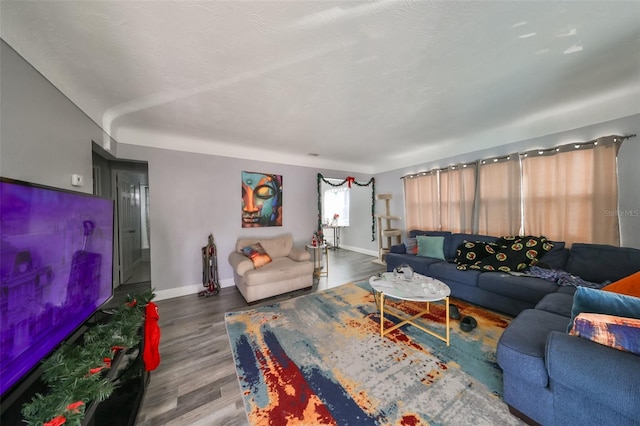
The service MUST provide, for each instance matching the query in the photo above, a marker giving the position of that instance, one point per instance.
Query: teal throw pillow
(430, 246)
(604, 302)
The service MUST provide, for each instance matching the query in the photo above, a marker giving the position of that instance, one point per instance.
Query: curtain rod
(508, 157)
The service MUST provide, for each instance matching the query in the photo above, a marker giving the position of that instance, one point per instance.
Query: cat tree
(386, 234)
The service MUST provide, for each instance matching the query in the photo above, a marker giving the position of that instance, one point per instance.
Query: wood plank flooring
(196, 381)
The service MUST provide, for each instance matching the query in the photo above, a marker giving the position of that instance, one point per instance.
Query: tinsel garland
(349, 180)
(73, 373)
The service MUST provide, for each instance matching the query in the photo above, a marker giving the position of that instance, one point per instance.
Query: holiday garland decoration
(72, 372)
(349, 180)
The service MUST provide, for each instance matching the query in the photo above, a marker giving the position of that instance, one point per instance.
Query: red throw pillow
(628, 285)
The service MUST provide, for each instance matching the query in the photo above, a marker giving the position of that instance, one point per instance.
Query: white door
(128, 225)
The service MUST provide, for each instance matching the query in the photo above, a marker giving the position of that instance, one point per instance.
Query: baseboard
(187, 290)
(359, 250)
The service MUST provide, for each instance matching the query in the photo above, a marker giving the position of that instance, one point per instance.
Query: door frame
(118, 264)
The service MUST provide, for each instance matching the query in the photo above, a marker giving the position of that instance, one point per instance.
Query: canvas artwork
(261, 200)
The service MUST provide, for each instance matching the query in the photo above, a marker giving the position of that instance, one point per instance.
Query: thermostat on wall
(77, 180)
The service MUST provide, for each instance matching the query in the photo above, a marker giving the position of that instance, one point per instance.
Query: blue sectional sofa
(550, 377)
(500, 291)
(553, 378)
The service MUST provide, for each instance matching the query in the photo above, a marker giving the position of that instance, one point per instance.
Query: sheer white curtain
(421, 202)
(570, 195)
(457, 195)
(499, 197)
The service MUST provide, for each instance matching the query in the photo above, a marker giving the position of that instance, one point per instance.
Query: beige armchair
(290, 268)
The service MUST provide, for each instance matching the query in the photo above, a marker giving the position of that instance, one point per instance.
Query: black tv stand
(121, 408)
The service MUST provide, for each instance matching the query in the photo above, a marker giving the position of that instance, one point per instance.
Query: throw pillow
(429, 246)
(257, 254)
(518, 255)
(470, 252)
(412, 245)
(604, 302)
(609, 330)
(629, 285)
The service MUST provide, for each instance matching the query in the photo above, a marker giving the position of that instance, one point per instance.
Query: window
(563, 193)
(335, 207)
(421, 202)
(499, 207)
(566, 194)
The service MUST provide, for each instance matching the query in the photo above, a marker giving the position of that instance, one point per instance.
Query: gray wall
(193, 195)
(44, 137)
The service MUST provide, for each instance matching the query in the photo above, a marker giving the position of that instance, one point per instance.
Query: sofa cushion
(521, 348)
(609, 330)
(599, 263)
(557, 303)
(414, 233)
(557, 257)
(446, 271)
(604, 302)
(280, 269)
(628, 285)
(419, 264)
(524, 288)
(399, 248)
(431, 246)
(275, 247)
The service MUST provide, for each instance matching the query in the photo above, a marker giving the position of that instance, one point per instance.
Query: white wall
(628, 170)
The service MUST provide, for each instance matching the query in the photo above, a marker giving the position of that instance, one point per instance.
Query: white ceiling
(368, 86)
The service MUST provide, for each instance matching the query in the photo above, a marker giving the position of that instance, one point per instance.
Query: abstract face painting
(261, 200)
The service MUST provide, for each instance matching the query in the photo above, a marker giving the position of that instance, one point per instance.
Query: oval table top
(419, 289)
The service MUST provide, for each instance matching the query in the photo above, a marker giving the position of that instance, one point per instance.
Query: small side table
(317, 253)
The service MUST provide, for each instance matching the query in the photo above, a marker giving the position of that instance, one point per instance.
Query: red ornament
(95, 370)
(60, 420)
(73, 407)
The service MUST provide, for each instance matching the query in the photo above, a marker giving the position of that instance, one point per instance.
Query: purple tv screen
(56, 262)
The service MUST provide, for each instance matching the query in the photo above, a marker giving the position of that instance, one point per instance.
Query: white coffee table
(419, 289)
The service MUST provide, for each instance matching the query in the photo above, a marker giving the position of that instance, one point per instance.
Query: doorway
(127, 183)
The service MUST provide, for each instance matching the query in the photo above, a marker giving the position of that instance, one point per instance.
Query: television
(56, 267)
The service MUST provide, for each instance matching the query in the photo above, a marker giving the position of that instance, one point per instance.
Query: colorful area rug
(319, 359)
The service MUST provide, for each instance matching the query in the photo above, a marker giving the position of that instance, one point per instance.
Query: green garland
(350, 180)
(72, 373)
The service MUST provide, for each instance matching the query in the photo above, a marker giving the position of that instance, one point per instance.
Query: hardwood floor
(196, 381)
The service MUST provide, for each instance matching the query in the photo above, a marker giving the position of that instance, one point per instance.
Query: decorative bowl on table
(403, 273)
